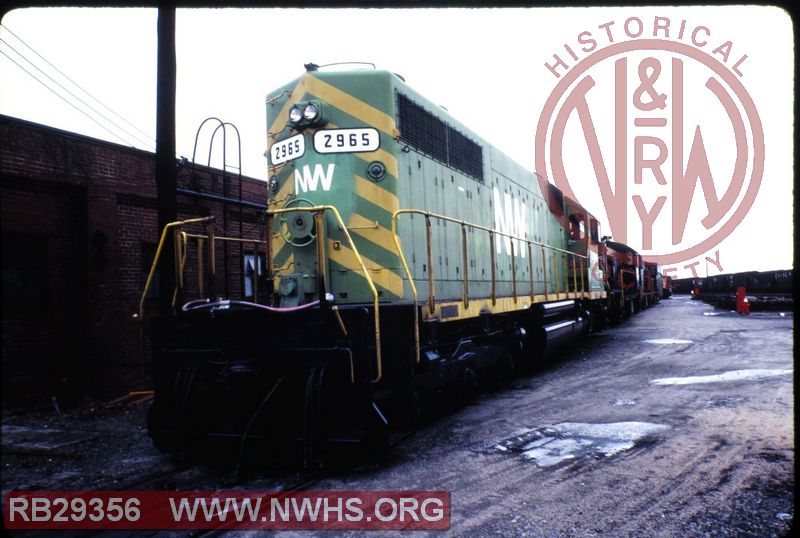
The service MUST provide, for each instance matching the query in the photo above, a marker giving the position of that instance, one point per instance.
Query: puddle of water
(667, 341)
(712, 313)
(550, 445)
(624, 402)
(735, 375)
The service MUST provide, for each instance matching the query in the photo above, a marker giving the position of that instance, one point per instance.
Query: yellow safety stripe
(372, 193)
(354, 107)
(382, 276)
(367, 229)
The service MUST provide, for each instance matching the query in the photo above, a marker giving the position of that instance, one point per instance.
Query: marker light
(295, 114)
(310, 112)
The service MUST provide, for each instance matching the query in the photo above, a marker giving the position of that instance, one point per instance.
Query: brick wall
(88, 207)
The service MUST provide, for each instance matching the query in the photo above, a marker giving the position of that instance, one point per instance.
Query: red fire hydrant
(742, 304)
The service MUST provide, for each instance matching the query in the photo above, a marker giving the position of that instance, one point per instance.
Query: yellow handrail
(557, 267)
(530, 268)
(574, 276)
(429, 215)
(180, 263)
(221, 238)
(319, 210)
(431, 282)
(255, 271)
(465, 264)
(513, 274)
(200, 271)
(583, 283)
(431, 299)
(159, 249)
(493, 258)
(411, 284)
(544, 272)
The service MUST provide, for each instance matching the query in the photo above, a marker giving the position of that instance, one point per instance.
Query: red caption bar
(399, 510)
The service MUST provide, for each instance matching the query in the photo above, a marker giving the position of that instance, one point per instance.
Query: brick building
(79, 232)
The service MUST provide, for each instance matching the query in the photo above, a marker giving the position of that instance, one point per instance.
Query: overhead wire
(37, 79)
(89, 106)
(84, 90)
(150, 142)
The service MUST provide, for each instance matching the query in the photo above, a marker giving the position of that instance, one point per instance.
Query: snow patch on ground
(554, 444)
(734, 375)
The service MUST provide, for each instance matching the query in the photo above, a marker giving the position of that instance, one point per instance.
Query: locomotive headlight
(311, 112)
(306, 114)
(295, 114)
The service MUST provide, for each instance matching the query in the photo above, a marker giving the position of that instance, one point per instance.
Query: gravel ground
(94, 446)
(678, 423)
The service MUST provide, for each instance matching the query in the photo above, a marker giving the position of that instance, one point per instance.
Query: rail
(322, 282)
(181, 239)
(431, 300)
(164, 233)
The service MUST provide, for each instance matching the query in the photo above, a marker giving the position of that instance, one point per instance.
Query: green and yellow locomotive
(405, 259)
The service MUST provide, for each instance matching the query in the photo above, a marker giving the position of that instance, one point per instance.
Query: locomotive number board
(287, 150)
(346, 140)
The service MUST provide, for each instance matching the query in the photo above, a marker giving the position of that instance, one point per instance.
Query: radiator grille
(430, 135)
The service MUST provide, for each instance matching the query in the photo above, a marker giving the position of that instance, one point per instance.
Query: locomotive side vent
(430, 135)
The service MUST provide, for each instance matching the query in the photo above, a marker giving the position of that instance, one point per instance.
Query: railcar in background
(652, 283)
(626, 267)
(765, 290)
(667, 286)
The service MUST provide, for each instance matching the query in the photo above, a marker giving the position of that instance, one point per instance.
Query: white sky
(485, 65)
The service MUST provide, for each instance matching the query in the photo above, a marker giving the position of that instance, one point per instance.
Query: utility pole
(166, 171)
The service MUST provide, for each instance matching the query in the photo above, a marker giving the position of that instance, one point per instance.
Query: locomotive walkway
(676, 423)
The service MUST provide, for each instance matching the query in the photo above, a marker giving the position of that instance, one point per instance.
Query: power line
(64, 99)
(72, 94)
(75, 83)
(90, 107)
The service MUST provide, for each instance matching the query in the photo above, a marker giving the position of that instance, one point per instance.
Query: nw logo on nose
(305, 180)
